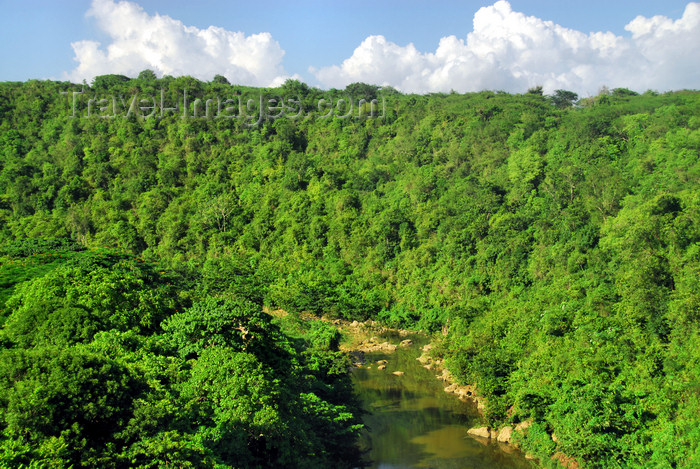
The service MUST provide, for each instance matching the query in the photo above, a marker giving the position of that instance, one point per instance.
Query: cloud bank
(506, 50)
(510, 51)
(168, 47)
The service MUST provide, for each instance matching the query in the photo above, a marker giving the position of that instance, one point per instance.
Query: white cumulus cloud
(140, 41)
(508, 50)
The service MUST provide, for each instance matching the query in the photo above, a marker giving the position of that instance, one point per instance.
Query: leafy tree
(563, 98)
(362, 91)
(66, 404)
(86, 295)
(105, 83)
(220, 79)
(147, 75)
(235, 323)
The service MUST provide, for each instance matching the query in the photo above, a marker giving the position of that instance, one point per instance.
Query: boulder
(382, 362)
(371, 345)
(462, 391)
(482, 432)
(381, 367)
(523, 426)
(406, 343)
(388, 347)
(398, 373)
(505, 434)
(424, 359)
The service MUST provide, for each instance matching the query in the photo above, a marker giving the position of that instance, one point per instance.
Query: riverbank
(509, 434)
(361, 339)
(411, 421)
(364, 338)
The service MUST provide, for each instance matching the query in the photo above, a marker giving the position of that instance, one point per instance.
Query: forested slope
(561, 244)
(109, 361)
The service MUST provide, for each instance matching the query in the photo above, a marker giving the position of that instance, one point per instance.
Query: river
(412, 423)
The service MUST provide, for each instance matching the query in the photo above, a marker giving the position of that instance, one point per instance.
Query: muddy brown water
(411, 422)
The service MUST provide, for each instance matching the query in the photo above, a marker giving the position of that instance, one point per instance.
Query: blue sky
(332, 43)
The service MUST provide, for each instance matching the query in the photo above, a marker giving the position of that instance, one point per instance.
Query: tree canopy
(556, 244)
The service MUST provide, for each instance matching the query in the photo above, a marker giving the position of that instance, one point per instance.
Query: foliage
(557, 245)
(106, 364)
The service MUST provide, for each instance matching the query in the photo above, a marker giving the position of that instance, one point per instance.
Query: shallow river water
(412, 423)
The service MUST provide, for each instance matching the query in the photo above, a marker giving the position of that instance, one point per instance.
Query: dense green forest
(557, 241)
(108, 361)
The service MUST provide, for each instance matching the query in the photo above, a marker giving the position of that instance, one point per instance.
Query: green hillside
(558, 244)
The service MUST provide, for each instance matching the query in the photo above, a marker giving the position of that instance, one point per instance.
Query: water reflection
(412, 423)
